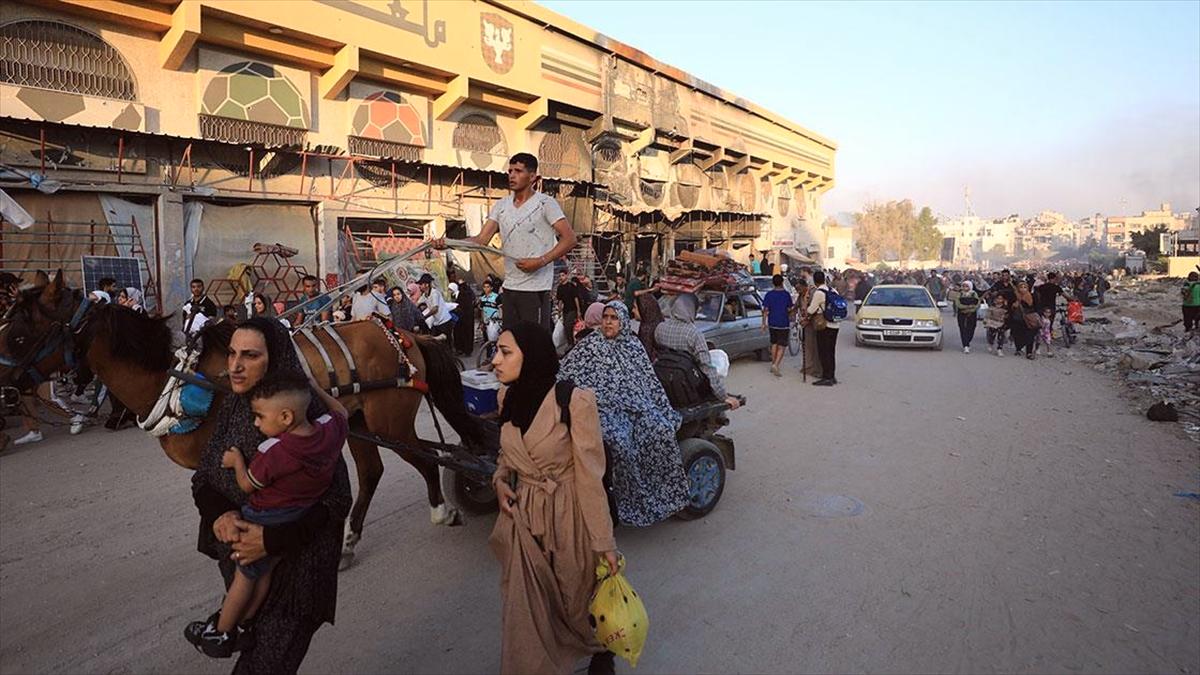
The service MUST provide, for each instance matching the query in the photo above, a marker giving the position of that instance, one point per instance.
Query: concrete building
(976, 238)
(839, 247)
(1120, 229)
(198, 127)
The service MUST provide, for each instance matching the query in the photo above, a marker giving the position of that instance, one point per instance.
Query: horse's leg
(370, 469)
(391, 414)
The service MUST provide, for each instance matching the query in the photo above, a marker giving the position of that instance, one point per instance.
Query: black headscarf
(305, 583)
(539, 370)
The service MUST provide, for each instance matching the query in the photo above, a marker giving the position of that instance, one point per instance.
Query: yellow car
(898, 316)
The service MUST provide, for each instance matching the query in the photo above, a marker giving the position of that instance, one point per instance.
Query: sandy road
(936, 512)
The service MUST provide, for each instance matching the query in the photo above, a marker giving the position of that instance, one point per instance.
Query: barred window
(229, 130)
(53, 55)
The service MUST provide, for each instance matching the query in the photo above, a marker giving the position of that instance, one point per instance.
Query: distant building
(839, 246)
(978, 238)
(1120, 229)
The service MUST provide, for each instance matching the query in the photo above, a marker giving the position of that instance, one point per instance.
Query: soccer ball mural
(388, 116)
(255, 92)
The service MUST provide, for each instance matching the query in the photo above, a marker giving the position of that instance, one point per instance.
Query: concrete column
(171, 264)
(327, 242)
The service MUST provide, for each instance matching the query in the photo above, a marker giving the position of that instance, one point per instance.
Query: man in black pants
(826, 337)
(567, 297)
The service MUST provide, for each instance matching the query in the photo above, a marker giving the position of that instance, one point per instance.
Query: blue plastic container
(479, 391)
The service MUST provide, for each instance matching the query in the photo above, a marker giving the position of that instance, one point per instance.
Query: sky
(1077, 107)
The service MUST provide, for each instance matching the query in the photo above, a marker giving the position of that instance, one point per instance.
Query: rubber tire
(693, 450)
(471, 497)
(799, 345)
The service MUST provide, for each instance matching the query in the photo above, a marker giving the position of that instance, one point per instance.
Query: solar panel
(125, 270)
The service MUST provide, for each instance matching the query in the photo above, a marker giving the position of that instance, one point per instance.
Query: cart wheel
(472, 496)
(705, 470)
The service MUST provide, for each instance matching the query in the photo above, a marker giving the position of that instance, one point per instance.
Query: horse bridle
(60, 335)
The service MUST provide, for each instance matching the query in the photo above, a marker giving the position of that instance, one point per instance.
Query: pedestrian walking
(1191, 302)
(1023, 320)
(464, 328)
(996, 324)
(554, 523)
(567, 297)
(534, 233)
(966, 307)
(777, 320)
(826, 329)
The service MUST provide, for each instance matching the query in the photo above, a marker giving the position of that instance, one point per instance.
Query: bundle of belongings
(692, 271)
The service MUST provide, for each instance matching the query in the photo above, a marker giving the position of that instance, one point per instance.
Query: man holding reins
(534, 233)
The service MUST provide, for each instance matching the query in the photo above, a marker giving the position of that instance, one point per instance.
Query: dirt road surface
(936, 512)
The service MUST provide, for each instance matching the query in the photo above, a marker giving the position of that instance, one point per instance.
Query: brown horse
(131, 353)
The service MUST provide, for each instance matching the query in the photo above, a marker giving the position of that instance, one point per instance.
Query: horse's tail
(445, 387)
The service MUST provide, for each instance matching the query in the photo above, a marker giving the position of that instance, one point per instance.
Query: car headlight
(925, 323)
(868, 322)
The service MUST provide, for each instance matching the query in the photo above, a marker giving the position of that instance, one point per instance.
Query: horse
(51, 326)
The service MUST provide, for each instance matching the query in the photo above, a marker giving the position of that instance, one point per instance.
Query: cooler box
(479, 391)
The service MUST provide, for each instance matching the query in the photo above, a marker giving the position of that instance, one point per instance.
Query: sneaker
(1029, 356)
(34, 436)
(823, 383)
(77, 422)
(194, 631)
(966, 350)
(1000, 352)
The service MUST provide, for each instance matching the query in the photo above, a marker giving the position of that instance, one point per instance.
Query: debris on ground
(1138, 335)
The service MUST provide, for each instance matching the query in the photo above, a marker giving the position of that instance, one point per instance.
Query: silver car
(731, 321)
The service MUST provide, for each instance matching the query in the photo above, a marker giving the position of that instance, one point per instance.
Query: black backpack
(685, 383)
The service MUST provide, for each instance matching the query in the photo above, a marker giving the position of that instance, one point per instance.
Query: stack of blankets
(691, 272)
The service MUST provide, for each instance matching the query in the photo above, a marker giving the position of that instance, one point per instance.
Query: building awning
(798, 256)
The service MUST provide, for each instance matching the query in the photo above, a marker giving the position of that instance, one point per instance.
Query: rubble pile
(1138, 334)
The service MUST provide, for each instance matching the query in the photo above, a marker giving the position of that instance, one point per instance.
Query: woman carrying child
(303, 590)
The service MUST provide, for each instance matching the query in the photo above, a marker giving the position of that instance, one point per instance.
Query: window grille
(370, 147)
(228, 130)
(53, 55)
(561, 154)
(688, 181)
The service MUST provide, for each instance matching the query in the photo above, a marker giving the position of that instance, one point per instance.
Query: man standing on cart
(534, 233)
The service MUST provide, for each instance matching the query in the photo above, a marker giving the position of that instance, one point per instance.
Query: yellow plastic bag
(617, 614)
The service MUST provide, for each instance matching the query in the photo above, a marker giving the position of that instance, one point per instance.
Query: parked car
(898, 316)
(731, 321)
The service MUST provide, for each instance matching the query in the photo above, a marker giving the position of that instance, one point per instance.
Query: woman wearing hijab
(966, 306)
(591, 320)
(679, 332)
(637, 420)
(1022, 332)
(132, 298)
(405, 315)
(303, 592)
(811, 362)
(649, 315)
(554, 522)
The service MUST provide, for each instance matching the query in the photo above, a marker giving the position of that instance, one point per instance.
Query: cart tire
(477, 499)
(704, 467)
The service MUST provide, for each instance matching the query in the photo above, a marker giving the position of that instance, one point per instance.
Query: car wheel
(704, 467)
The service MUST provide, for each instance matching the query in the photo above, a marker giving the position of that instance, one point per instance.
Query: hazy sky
(1077, 107)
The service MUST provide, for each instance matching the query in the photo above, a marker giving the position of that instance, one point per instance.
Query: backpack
(686, 385)
(835, 305)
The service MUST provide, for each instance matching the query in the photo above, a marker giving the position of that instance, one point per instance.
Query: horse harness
(187, 396)
(60, 335)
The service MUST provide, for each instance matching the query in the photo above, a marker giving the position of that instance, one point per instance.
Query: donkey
(131, 354)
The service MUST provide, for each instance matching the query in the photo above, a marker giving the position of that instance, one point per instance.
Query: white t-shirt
(435, 299)
(527, 231)
(363, 306)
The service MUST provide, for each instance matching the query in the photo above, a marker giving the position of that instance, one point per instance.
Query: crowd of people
(587, 430)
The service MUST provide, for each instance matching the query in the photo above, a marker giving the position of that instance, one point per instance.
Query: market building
(183, 132)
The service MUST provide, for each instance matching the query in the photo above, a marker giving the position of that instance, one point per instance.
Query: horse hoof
(445, 514)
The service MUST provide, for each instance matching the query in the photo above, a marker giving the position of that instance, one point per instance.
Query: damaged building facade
(182, 132)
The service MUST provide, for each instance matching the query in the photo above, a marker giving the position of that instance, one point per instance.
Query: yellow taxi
(898, 316)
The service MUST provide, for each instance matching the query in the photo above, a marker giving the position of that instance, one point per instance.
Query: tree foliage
(1148, 241)
(894, 231)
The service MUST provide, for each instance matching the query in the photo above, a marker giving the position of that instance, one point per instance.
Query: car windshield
(885, 296)
(710, 307)
(763, 284)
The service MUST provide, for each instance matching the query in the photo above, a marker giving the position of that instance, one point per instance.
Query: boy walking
(777, 318)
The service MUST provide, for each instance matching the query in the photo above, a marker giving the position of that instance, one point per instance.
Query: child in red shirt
(288, 474)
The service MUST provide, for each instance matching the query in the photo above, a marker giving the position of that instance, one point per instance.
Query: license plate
(895, 332)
